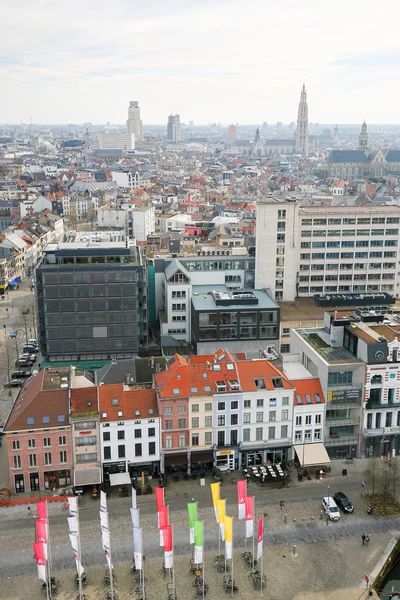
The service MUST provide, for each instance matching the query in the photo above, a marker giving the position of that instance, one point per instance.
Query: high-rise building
(232, 133)
(134, 123)
(363, 138)
(302, 124)
(174, 128)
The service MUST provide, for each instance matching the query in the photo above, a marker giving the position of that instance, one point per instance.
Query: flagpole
(262, 567)
(232, 572)
(50, 566)
(141, 534)
(254, 510)
(173, 562)
(47, 578)
(79, 550)
(204, 563)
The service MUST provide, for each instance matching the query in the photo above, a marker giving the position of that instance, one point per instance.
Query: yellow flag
(228, 529)
(215, 497)
(221, 517)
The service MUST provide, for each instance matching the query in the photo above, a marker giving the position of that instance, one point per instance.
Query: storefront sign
(224, 452)
(391, 430)
(85, 432)
(344, 395)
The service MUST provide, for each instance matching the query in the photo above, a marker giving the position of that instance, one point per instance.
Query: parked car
(28, 356)
(330, 508)
(21, 374)
(14, 333)
(14, 383)
(33, 342)
(23, 362)
(31, 349)
(343, 502)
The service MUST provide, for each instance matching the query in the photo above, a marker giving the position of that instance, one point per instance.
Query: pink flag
(242, 493)
(163, 517)
(38, 548)
(41, 534)
(42, 510)
(249, 504)
(168, 556)
(159, 497)
(260, 537)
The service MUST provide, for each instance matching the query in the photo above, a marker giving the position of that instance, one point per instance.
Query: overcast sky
(211, 60)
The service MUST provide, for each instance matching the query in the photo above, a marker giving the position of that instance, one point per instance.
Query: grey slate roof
(175, 266)
(393, 156)
(347, 156)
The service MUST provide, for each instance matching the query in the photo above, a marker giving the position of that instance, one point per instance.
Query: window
(298, 420)
(208, 437)
(32, 460)
(121, 434)
(221, 420)
(259, 434)
(182, 423)
(182, 441)
(47, 458)
(234, 404)
(60, 418)
(285, 415)
(121, 451)
(45, 420)
(285, 331)
(247, 403)
(168, 410)
(285, 401)
(260, 402)
(259, 417)
(138, 449)
(308, 419)
(137, 434)
(307, 435)
(284, 431)
(388, 421)
(221, 405)
(151, 432)
(181, 409)
(195, 439)
(246, 417)
(318, 419)
(107, 452)
(168, 441)
(106, 436)
(193, 390)
(195, 422)
(176, 391)
(168, 424)
(343, 377)
(17, 461)
(46, 442)
(207, 421)
(271, 433)
(298, 436)
(234, 419)
(62, 440)
(208, 406)
(30, 420)
(272, 415)
(104, 415)
(195, 408)
(152, 448)
(15, 445)
(317, 434)
(32, 443)
(246, 435)
(63, 456)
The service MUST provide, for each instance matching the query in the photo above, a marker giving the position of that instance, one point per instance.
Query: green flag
(192, 512)
(198, 542)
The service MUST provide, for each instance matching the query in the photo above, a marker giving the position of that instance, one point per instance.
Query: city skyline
(219, 62)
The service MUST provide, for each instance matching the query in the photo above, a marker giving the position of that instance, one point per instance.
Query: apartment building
(308, 412)
(304, 249)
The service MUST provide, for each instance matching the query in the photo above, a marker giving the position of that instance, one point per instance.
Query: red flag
(163, 522)
(41, 531)
(159, 497)
(38, 548)
(168, 557)
(42, 510)
(242, 492)
(260, 537)
(249, 504)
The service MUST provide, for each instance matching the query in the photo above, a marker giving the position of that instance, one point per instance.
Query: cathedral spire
(363, 137)
(302, 123)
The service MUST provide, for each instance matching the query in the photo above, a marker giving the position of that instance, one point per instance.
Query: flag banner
(215, 497)
(103, 520)
(42, 510)
(137, 547)
(73, 506)
(260, 537)
(38, 548)
(163, 519)
(108, 559)
(79, 568)
(105, 538)
(74, 542)
(41, 534)
(134, 503)
(221, 517)
(73, 525)
(198, 542)
(242, 493)
(103, 501)
(135, 516)
(228, 536)
(168, 556)
(192, 512)
(159, 497)
(249, 502)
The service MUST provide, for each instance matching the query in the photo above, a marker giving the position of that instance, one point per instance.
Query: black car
(30, 349)
(21, 374)
(343, 502)
(14, 383)
(22, 362)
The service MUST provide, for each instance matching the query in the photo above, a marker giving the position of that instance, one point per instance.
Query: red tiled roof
(84, 400)
(310, 387)
(249, 370)
(129, 401)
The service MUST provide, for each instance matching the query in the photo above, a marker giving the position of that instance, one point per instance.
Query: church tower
(363, 138)
(302, 124)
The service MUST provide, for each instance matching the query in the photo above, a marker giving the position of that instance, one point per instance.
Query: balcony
(342, 422)
(341, 440)
(378, 405)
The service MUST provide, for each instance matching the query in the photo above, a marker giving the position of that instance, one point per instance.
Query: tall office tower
(232, 133)
(174, 128)
(363, 138)
(302, 124)
(134, 123)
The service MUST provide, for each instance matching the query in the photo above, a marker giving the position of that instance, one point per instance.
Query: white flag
(103, 501)
(137, 547)
(134, 504)
(104, 520)
(105, 536)
(74, 542)
(73, 506)
(73, 525)
(135, 516)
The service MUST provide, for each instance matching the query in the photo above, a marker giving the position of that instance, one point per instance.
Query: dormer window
(151, 411)
(221, 386)
(137, 413)
(119, 413)
(277, 382)
(114, 401)
(230, 366)
(260, 383)
(217, 367)
(234, 385)
(176, 391)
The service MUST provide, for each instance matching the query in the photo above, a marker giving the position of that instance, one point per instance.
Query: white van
(331, 508)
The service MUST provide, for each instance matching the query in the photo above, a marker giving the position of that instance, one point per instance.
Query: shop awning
(14, 281)
(120, 479)
(87, 477)
(202, 456)
(312, 455)
(174, 460)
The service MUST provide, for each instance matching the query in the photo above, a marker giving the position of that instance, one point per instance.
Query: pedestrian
(327, 519)
(367, 540)
(363, 538)
(198, 573)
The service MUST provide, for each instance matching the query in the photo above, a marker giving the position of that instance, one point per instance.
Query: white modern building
(134, 123)
(116, 141)
(303, 249)
(126, 179)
